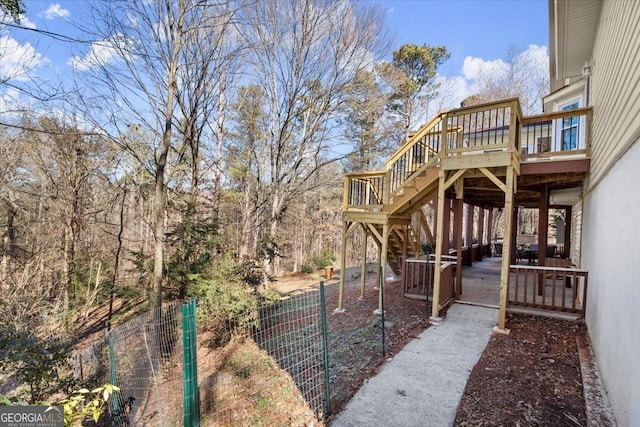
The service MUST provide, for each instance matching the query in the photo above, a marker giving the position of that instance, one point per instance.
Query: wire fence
(275, 372)
(145, 362)
(242, 381)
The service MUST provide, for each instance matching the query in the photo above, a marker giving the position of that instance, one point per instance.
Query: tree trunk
(160, 194)
(8, 242)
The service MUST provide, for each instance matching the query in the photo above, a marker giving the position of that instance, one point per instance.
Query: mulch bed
(530, 377)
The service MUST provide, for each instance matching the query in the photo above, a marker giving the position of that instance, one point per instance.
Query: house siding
(576, 234)
(611, 254)
(615, 85)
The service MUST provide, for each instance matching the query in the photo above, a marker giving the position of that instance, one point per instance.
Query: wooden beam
(469, 233)
(351, 227)
(427, 230)
(446, 236)
(493, 178)
(506, 250)
(514, 234)
(452, 179)
(490, 227)
(459, 188)
(435, 301)
(363, 270)
(375, 233)
(480, 226)
(383, 262)
(364, 216)
(555, 166)
(343, 263)
(543, 230)
(567, 231)
(458, 212)
(476, 160)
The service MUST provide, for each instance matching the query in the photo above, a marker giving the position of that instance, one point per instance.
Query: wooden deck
(488, 156)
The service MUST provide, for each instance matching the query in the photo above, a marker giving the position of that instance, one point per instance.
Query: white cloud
(24, 21)
(5, 18)
(18, 59)
(473, 67)
(100, 53)
(56, 11)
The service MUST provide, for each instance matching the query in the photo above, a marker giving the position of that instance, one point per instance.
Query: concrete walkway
(422, 385)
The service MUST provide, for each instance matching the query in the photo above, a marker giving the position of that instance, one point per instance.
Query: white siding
(615, 85)
(576, 234)
(611, 254)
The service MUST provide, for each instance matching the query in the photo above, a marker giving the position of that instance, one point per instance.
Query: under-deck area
(562, 291)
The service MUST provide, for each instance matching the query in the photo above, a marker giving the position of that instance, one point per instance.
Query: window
(569, 129)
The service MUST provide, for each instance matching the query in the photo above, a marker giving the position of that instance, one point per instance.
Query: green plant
(84, 404)
(225, 299)
(304, 268)
(33, 359)
(324, 259)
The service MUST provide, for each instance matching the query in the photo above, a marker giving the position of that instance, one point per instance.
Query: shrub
(227, 294)
(324, 259)
(33, 359)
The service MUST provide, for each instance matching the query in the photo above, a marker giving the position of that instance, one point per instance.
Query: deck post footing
(497, 331)
(435, 321)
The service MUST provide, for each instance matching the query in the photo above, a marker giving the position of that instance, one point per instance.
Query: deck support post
(480, 232)
(506, 248)
(343, 264)
(543, 230)
(567, 232)
(379, 245)
(458, 213)
(490, 229)
(363, 270)
(469, 233)
(435, 303)
(513, 242)
(383, 262)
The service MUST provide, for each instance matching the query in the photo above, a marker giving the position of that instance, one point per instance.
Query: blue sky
(480, 29)
(477, 33)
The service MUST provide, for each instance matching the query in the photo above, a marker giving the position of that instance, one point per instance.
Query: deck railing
(482, 128)
(420, 151)
(549, 288)
(497, 126)
(558, 133)
(418, 275)
(364, 190)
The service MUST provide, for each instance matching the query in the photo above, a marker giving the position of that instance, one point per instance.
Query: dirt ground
(528, 378)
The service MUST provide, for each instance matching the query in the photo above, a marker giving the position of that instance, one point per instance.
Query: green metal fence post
(112, 374)
(194, 362)
(187, 415)
(325, 351)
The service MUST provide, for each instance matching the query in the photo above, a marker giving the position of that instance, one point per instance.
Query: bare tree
(304, 54)
(163, 59)
(525, 75)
